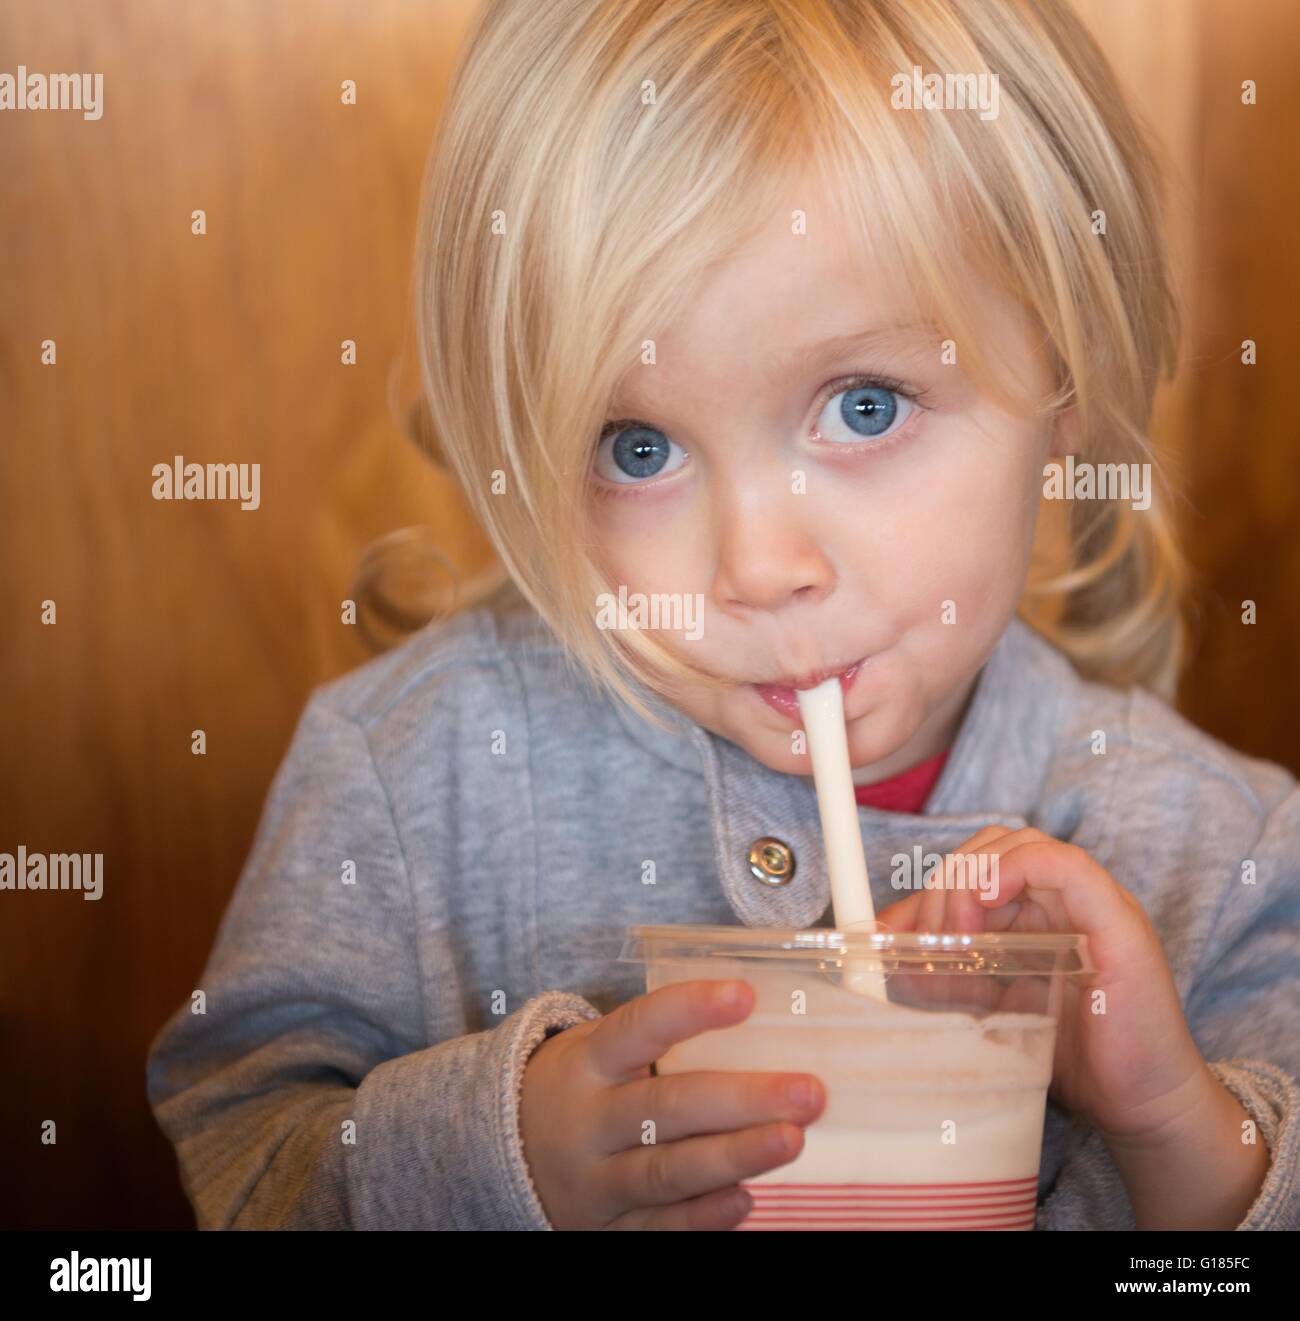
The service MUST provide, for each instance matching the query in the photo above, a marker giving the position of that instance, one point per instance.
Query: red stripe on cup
(996, 1204)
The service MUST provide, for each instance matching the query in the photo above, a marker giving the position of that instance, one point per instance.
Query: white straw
(822, 709)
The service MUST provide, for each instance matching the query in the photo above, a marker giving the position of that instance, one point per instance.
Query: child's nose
(768, 559)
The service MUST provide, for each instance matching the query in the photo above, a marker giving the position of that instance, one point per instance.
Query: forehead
(808, 288)
(803, 286)
(807, 273)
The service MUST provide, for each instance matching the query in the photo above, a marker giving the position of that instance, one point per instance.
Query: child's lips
(783, 699)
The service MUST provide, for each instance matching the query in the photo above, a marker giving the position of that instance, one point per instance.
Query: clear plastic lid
(991, 953)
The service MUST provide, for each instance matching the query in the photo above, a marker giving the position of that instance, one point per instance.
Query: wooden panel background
(226, 348)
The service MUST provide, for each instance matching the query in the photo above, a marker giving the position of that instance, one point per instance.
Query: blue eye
(863, 412)
(630, 455)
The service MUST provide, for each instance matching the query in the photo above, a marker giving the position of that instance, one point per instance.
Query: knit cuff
(1272, 1099)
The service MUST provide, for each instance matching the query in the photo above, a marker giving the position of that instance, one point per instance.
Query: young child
(781, 311)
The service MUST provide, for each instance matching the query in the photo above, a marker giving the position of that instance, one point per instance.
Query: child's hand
(588, 1092)
(1131, 1071)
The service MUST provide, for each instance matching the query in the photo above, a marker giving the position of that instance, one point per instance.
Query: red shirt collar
(905, 792)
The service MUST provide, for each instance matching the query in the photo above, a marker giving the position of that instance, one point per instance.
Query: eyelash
(873, 383)
(877, 382)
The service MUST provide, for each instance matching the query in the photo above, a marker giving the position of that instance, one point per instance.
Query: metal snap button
(771, 861)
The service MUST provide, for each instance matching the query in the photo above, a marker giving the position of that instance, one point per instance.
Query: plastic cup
(935, 1097)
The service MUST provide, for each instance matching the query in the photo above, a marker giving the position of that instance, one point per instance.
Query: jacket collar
(994, 775)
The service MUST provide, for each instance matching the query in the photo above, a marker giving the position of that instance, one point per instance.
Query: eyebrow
(858, 340)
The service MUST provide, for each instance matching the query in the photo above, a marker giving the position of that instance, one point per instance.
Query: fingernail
(777, 1142)
(799, 1093)
(728, 994)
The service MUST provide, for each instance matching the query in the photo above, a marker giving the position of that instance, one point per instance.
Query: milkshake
(935, 1093)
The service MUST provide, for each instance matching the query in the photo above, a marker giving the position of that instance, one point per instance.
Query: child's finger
(632, 1037)
(1038, 910)
(948, 907)
(901, 916)
(963, 912)
(684, 1105)
(931, 911)
(1032, 910)
(1090, 901)
(984, 835)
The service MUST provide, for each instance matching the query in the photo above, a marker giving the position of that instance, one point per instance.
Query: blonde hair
(594, 159)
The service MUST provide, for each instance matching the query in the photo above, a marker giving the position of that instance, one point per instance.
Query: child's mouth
(781, 696)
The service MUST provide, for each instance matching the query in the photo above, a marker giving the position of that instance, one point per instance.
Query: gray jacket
(360, 1056)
